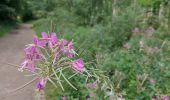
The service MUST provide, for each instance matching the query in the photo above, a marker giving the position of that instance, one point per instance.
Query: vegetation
(13, 12)
(6, 27)
(129, 40)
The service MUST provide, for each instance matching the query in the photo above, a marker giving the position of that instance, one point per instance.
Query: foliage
(128, 41)
(10, 9)
(139, 66)
(5, 28)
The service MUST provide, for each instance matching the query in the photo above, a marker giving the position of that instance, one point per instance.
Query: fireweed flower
(32, 53)
(50, 59)
(63, 45)
(41, 82)
(136, 30)
(78, 65)
(51, 39)
(23, 65)
(92, 85)
(152, 81)
(165, 97)
(127, 46)
(38, 42)
(71, 49)
(67, 48)
(150, 30)
(31, 56)
(92, 94)
(54, 40)
(47, 56)
(64, 98)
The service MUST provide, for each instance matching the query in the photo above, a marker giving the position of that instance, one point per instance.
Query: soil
(11, 51)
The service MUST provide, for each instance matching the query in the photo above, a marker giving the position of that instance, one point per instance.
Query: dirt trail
(11, 47)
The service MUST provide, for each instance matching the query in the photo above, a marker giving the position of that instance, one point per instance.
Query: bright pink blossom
(31, 56)
(51, 39)
(165, 97)
(78, 65)
(23, 65)
(44, 35)
(54, 40)
(39, 42)
(56, 55)
(28, 64)
(45, 48)
(41, 82)
(63, 46)
(32, 53)
(71, 49)
(67, 48)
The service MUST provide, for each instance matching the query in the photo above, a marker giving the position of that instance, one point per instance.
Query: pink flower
(152, 81)
(92, 85)
(92, 94)
(35, 39)
(136, 30)
(32, 53)
(56, 55)
(28, 64)
(71, 49)
(165, 97)
(51, 39)
(64, 98)
(63, 46)
(78, 65)
(31, 56)
(41, 82)
(23, 65)
(127, 46)
(71, 46)
(38, 42)
(44, 35)
(150, 30)
(67, 48)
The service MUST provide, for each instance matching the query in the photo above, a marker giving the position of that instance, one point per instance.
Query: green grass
(132, 63)
(5, 28)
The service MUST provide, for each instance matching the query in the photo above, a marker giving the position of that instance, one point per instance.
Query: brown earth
(11, 51)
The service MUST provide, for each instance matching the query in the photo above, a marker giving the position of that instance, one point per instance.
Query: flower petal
(78, 65)
(44, 35)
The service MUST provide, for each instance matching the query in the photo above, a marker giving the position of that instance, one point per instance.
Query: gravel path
(11, 46)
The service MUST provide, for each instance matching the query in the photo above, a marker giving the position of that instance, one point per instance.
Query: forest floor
(11, 51)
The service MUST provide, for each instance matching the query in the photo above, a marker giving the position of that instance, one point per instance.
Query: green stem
(72, 75)
(68, 81)
(52, 83)
(23, 85)
(58, 79)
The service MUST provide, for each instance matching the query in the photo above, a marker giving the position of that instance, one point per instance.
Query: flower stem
(23, 85)
(58, 80)
(67, 81)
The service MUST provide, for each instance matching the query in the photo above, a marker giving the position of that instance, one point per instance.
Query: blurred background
(130, 39)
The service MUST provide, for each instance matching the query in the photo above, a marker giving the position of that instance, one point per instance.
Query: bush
(136, 67)
(139, 71)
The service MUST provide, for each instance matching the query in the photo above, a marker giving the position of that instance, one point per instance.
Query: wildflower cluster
(48, 57)
(54, 60)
